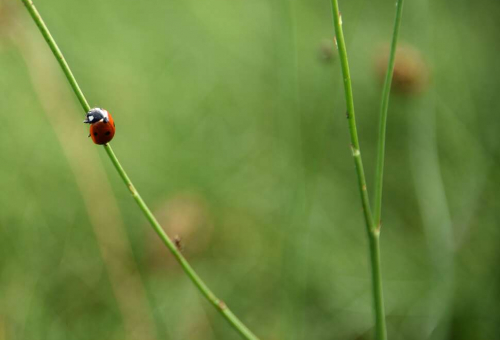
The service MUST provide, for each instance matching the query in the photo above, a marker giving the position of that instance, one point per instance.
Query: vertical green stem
(198, 282)
(372, 230)
(384, 106)
(378, 293)
(351, 117)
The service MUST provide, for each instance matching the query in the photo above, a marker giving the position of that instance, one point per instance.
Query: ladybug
(102, 126)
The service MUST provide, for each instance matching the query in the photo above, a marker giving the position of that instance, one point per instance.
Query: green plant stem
(351, 117)
(372, 231)
(378, 293)
(198, 282)
(384, 106)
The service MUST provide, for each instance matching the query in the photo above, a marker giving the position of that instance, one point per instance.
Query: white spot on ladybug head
(96, 115)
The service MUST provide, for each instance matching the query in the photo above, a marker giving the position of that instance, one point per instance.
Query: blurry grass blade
(57, 52)
(384, 107)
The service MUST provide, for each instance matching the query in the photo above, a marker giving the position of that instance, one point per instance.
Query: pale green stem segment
(198, 282)
(371, 228)
(384, 106)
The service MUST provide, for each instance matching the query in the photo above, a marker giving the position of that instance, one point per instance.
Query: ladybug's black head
(96, 115)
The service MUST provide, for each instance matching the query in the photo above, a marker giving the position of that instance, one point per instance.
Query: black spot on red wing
(107, 133)
(95, 133)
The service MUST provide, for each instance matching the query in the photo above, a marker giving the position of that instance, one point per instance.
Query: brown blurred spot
(327, 50)
(187, 221)
(411, 74)
(8, 14)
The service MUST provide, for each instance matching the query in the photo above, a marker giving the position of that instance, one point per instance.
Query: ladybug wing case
(103, 132)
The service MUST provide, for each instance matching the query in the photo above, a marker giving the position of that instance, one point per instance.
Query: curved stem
(372, 229)
(198, 282)
(384, 106)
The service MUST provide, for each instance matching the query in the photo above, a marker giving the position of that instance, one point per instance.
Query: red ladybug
(102, 126)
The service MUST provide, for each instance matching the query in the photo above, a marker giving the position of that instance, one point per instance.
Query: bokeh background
(231, 122)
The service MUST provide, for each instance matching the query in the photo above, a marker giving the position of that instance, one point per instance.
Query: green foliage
(231, 102)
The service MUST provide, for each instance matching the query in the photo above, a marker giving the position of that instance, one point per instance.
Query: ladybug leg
(89, 134)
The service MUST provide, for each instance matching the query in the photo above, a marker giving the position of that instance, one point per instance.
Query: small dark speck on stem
(222, 305)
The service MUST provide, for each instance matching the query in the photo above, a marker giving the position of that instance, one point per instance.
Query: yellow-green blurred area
(231, 122)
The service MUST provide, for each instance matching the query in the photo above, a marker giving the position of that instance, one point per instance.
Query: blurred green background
(231, 122)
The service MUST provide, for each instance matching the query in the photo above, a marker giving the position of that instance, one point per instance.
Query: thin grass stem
(351, 117)
(198, 282)
(384, 107)
(372, 230)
